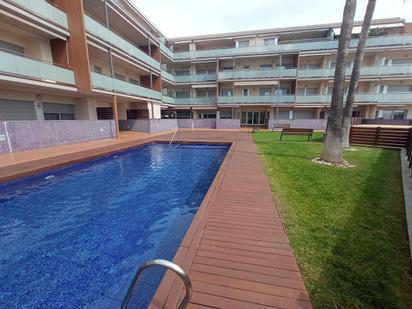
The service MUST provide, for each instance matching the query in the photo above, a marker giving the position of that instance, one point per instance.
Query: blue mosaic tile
(74, 237)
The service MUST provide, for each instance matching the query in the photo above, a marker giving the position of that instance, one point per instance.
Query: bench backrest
(297, 130)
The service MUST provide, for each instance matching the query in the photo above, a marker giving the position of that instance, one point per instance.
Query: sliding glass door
(253, 118)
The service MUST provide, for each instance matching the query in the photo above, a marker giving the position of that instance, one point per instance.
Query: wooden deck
(236, 251)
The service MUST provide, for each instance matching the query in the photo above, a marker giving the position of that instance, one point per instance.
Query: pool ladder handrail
(173, 137)
(163, 263)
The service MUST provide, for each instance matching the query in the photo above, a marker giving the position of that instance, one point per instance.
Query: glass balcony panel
(101, 32)
(111, 84)
(46, 10)
(27, 67)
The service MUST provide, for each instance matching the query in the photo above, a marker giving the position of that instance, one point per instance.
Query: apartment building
(103, 59)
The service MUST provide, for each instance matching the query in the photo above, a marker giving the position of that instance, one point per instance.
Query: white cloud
(191, 17)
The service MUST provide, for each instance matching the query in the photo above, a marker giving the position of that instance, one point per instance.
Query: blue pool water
(74, 237)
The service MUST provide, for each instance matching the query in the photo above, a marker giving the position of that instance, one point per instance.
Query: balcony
(293, 47)
(373, 98)
(196, 101)
(45, 10)
(189, 79)
(365, 71)
(108, 83)
(21, 66)
(166, 50)
(196, 78)
(246, 74)
(108, 36)
(405, 97)
(256, 99)
(168, 100)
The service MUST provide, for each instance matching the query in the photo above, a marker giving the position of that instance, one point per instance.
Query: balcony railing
(166, 50)
(21, 66)
(256, 99)
(46, 10)
(294, 47)
(365, 71)
(316, 99)
(246, 74)
(115, 85)
(168, 100)
(196, 101)
(194, 78)
(101, 32)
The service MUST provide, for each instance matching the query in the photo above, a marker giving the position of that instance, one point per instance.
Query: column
(116, 116)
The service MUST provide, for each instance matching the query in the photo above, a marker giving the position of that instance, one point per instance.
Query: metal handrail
(173, 137)
(163, 263)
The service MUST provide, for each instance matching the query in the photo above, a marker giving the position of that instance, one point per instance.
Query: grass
(346, 226)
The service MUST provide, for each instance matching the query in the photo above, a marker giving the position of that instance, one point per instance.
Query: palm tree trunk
(360, 51)
(332, 151)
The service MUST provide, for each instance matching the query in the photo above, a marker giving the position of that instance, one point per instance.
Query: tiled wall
(27, 135)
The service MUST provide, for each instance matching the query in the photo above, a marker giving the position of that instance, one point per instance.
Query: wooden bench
(297, 131)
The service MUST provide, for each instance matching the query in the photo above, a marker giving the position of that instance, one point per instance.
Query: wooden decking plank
(252, 286)
(253, 297)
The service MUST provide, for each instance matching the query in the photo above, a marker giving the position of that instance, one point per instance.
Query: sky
(176, 18)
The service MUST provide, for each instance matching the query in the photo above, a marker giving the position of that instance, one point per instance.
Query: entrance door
(253, 118)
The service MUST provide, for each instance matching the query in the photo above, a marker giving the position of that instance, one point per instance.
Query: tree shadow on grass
(369, 262)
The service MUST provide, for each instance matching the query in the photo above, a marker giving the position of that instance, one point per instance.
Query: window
(283, 91)
(104, 113)
(309, 66)
(135, 113)
(226, 93)
(401, 61)
(227, 68)
(267, 66)
(182, 94)
(290, 115)
(265, 91)
(322, 115)
(356, 114)
(225, 114)
(11, 48)
(391, 114)
(253, 118)
(119, 76)
(246, 67)
(182, 72)
(134, 81)
(210, 115)
(98, 69)
(244, 43)
(399, 88)
(183, 114)
(245, 92)
(270, 41)
(51, 116)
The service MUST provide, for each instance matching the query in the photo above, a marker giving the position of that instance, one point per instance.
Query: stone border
(407, 194)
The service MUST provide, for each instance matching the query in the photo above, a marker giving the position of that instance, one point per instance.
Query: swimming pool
(75, 236)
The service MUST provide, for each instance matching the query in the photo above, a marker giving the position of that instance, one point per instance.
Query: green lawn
(346, 226)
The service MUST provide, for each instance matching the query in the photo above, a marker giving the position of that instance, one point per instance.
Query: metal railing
(162, 263)
(409, 149)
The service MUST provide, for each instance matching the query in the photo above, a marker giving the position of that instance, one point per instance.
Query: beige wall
(34, 45)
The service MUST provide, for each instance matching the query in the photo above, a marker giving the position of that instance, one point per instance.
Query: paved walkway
(236, 251)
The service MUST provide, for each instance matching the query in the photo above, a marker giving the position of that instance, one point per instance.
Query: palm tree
(360, 51)
(332, 151)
